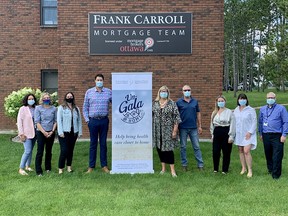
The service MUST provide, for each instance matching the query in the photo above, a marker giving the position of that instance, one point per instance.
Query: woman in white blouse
(246, 139)
(222, 129)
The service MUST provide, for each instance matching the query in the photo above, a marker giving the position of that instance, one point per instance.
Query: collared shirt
(246, 121)
(65, 122)
(188, 113)
(273, 119)
(46, 117)
(225, 119)
(96, 103)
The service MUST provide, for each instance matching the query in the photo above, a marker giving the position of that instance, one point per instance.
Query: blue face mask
(31, 102)
(46, 102)
(163, 94)
(242, 102)
(99, 84)
(187, 93)
(271, 101)
(221, 104)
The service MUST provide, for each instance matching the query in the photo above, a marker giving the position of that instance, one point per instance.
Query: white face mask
(99, 84)
(31, 102)
(270, 101)
(187, 93)
(242, 102)
(163, 94)
(221, 104)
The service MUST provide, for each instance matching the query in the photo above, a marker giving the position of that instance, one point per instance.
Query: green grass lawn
(192, 193)
(256, 99)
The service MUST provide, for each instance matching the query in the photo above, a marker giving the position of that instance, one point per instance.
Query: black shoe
(185, 169)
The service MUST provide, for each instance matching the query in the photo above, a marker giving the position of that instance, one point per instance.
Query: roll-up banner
(132, 123)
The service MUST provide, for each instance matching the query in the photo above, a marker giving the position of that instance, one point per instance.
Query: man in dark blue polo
(190, 126)
(95, 111)
(273, 128)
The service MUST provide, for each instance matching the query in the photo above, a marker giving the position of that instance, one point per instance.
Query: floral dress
(164, 120)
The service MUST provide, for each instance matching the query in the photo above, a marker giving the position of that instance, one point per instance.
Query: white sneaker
(174, 175)
(22, 172)
(29, 169)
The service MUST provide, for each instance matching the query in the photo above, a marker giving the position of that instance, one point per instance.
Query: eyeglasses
(185, 90)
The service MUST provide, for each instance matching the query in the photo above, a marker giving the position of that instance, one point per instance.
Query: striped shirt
(96, 103)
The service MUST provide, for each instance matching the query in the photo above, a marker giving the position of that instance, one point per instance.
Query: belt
(98, 117)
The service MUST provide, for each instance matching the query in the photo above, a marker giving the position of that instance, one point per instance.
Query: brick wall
(28, 48)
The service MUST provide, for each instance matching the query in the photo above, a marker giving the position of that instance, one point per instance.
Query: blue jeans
(27, 155)
(193, 134)
(98, 127)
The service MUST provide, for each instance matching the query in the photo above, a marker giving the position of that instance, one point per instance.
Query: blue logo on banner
(131, 109)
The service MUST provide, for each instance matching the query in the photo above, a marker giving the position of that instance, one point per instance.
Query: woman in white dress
(246, 138)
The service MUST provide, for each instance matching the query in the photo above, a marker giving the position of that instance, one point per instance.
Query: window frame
(42, 9)
(43, 87)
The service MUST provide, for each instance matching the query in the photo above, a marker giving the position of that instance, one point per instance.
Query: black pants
(274, 153)
(166, 156)
(42, 142)
(220, 142)
(67, 145)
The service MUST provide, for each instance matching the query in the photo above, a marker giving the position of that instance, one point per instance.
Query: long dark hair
(65, 104)
(25, 100)
(242, 96)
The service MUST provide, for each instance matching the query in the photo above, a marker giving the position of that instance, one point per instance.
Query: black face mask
(69, 100)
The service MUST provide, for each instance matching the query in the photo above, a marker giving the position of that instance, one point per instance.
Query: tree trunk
(244, 64)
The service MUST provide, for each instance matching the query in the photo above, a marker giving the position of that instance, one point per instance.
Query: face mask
(270, 101)
(69, 100)
(187, 93)
(31, 102)
(221, 104)
(46, 102)
(99, 84)
(163, 94)
(242, 102)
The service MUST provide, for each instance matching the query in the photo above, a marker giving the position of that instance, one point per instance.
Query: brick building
(44, 44)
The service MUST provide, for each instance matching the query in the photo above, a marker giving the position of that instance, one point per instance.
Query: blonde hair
(161, 89)
(216, 109)
(41, 98)
(186, 86)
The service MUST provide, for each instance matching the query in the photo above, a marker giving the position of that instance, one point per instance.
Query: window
(49, 81)
(49, 13)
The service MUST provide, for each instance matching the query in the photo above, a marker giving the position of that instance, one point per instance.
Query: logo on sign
(149, 42)
(131, 109)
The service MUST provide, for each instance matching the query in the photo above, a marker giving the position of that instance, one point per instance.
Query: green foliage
(13, 101)
(252, 24)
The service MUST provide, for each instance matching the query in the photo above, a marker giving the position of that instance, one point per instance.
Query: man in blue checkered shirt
(95, 111)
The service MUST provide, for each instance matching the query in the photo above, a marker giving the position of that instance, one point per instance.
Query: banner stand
(132, 123)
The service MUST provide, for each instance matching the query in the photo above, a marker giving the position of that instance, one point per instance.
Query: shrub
(13, 101)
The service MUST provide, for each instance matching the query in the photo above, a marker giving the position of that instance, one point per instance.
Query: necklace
(162, 103)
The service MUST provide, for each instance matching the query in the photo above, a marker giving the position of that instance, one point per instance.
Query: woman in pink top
(26, 131)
